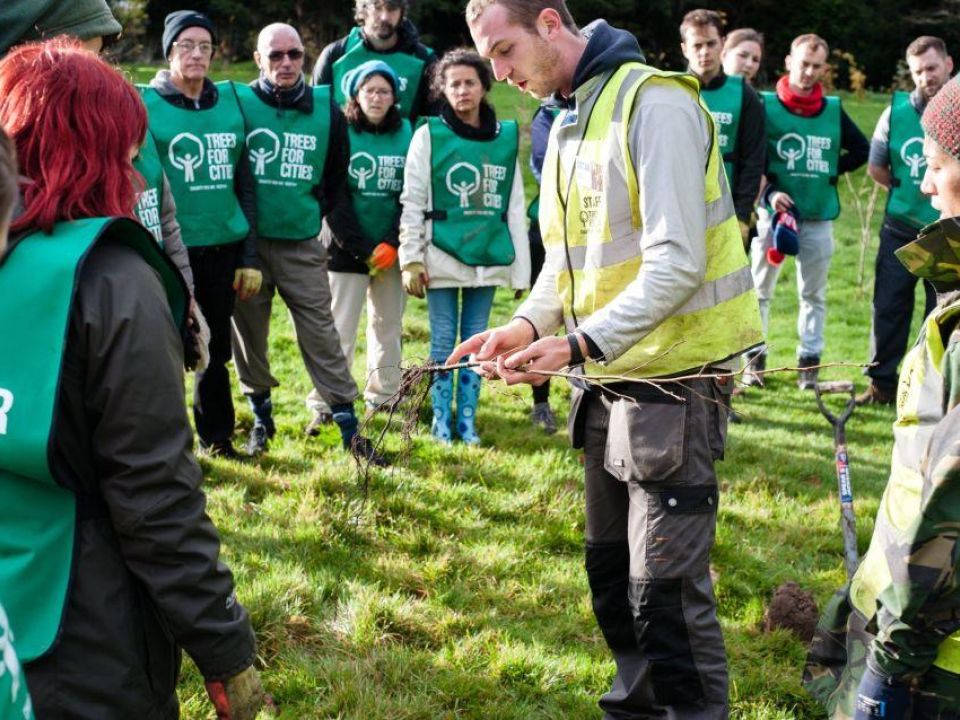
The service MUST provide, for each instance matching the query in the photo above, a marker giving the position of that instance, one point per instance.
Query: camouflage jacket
(921, 606)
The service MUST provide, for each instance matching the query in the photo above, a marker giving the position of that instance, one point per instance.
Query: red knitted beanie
(941, 119)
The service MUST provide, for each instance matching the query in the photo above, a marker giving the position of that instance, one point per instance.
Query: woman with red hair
(108, 561)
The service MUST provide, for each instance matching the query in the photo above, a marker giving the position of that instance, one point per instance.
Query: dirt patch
(793, 609)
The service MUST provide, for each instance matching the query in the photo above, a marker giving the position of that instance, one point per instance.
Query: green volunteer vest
(905, 202)
(471, 182)
(409, 70)
(38, 515)
(150, 202)
(803, 156)
(199, 150)
(724, 104)
(375, 177)
(919, 409)
(533, 209)
(287, 150)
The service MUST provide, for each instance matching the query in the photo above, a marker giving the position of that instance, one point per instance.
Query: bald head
(276, 30)
(279, 54)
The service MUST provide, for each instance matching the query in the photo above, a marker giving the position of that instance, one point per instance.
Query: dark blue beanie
(176, 22)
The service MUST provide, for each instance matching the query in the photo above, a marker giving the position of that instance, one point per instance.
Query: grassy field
(457, 590)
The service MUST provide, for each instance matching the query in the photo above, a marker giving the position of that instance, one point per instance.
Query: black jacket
(242, 179)
(147, 579)
(408, 41)
(750, 158)
(349, 251)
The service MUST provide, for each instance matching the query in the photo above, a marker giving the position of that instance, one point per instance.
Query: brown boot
(874, 395)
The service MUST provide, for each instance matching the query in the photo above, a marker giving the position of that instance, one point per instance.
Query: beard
(543, 81)
(384, 30)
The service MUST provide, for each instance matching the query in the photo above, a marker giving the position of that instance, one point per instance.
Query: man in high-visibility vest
(736, 109)
(811, 142)
(383, 32)
(897, 163)
(645, 267)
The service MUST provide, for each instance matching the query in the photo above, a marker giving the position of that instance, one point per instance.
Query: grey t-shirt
(880, 142)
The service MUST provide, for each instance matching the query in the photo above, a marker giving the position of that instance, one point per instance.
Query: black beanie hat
(176, 22)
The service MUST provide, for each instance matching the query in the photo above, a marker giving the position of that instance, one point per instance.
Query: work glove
(196, 340)
(880, 698)
(415, 279)
(246, 281)
(383, 257)
(240, 697)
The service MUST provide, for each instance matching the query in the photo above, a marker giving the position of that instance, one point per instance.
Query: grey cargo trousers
(651, 504)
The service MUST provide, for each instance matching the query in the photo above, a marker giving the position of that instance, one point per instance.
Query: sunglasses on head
(278, 55)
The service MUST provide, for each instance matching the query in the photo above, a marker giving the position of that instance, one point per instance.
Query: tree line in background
(869, 38)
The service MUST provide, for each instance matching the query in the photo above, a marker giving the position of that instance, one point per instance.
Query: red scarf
(805, 105)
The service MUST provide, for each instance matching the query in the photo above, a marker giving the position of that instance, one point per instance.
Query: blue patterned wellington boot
(468, 392)
(441, 397)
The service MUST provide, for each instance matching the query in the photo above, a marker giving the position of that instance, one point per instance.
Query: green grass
(457, 589)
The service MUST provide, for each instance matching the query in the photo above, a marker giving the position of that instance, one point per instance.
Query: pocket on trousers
(645, 441)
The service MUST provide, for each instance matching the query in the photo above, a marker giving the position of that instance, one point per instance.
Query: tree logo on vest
(915, 159)
(9, 663)
(791, 147)
(264, 147)
(186, 153)
(463, 180)
(363, 166)
(6, 404)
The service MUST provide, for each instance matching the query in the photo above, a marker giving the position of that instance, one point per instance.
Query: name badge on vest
(589, 174)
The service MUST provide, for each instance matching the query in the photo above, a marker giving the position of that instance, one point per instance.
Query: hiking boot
(258, 440)
(753, 372)
(542, 416)
(221, 449)
(319, 419)
(363, 450)
(807, 377)
(875, 395)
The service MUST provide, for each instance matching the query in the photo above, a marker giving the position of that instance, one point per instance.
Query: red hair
(73, 119)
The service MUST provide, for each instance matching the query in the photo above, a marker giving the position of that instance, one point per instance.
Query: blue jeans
(448, 313)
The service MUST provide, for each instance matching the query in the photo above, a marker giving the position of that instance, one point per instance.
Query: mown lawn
(456, 589)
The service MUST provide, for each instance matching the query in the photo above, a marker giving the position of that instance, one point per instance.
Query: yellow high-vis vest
(591, 220)
(919, 409)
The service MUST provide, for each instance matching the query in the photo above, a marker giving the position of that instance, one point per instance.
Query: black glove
(883, 698)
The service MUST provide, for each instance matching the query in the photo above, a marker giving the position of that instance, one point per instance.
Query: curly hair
(459, 56)
(73, 120)
(360, 7)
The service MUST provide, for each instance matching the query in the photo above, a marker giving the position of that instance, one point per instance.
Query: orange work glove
(383, 256)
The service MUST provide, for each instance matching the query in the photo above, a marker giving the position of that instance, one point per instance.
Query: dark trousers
(651, 502)
(893, 294)
(213, 269)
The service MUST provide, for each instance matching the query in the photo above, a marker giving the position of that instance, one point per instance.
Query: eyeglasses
(278, 55)
(376, 92)
(186, 47)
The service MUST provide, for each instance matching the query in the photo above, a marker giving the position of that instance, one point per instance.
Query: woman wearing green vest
(379, 139)
(109, 564)
(463, 227)
(14, 698)
(888, 645)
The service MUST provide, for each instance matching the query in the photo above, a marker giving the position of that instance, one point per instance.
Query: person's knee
(608, 570)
